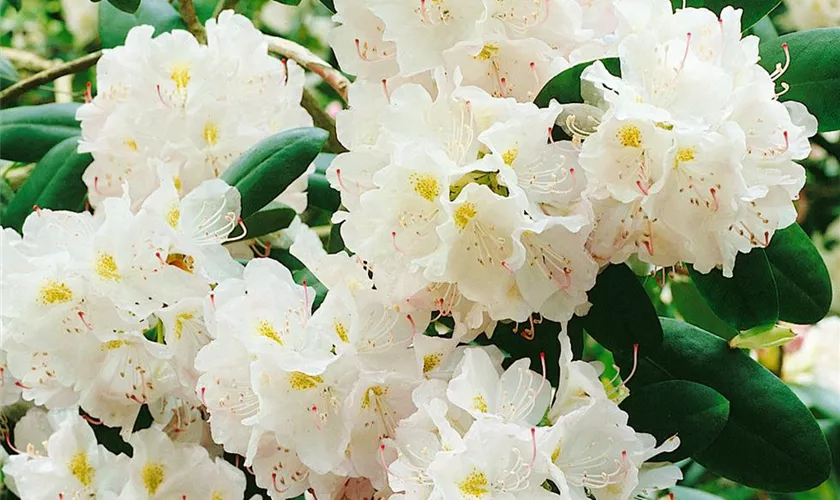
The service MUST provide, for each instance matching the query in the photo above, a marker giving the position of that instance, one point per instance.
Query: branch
(51, 74)
(310, 61)
(187, 9)
(27, 60)
(321, 119)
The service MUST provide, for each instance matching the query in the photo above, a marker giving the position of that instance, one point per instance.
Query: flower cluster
(60, 458)
(459, 198)
(356, 390)
(80, 290)
(195, 107)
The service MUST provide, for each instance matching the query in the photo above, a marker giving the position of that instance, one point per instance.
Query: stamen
(780, 68)
(533, 445)
(787, 141)
(8, 434)
(91, 420)
(641, 188)
(550, 136)
(314, 411)
(88, 93)
(338, 176)
(785, 88)
(241, 224)
(305, 296)
(96, 186)
(213, 300)
(635, 364)
(18, 383)
(87, 323)
(766, 239)
(713, 191)
(685, 55)
(385, 90)
(160, 258)
(425, 14)
(507, 268)
(394, 241)
(413, 327)
(37, 209)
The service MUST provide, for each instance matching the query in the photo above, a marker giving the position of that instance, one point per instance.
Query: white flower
(812, 359)
(517, 396)
(195, 107)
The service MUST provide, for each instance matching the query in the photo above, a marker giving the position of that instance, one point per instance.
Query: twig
(51, 74)
(321, 119)
(310, 61)
(187, 9)
(224, 5)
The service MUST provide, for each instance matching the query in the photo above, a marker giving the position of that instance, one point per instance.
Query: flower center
(300, 381)
(81, 468)
(474, 485)
(153, 475)
(55, 292)
(106, 267)
(629, 136)
(265, 328)
(425, 185)
(464, 214)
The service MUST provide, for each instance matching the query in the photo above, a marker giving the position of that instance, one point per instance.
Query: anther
(315, 416)
(96, 186)
(36, 209)
(781, 68)
(507, 268)
(338, 177)
(88, 93)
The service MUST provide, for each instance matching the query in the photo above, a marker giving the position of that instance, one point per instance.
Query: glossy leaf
(55, 182)
(814, 72)
(320, 194)
(129, 6)
(683, 493)
(8, 73)
(802, 280)
(266, 170)
(28, 132)
(754, 10)
(329, 4)
(692, 308)
(565, 87)
(115, 24)
(692, 411)
(748, 298)
(771, 441)
(273, 217)
(621, 313)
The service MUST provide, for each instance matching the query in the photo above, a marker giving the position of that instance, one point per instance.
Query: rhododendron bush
(418, 249)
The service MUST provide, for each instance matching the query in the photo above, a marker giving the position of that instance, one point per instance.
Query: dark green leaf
(814, 72)
(621, 313)
(317, 291)
(748, 298)
(329, 4)
(320, 194)
(129, 6)
(832, 435)
(565, 87)
(517, 343)
(335, 243)
(204, 9)
(771, 441)
(15, 3)
(28, 132)
(801, 277)
(288, 2)
(694, 412)
(692, 308)
(8, 73)
(753, 9)
(55, 182)
(267, 169)
(273, 217)
(323, 161)
(115, 24)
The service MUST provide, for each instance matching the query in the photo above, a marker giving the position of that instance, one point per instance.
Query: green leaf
(814, 72)
(129, 6)
(8, 73)
(323, 161)
(802, 280)
(320, 194)
(683, 493)
(754, 10)
(273, 217)
(28, 132)
(15, 3)
(565, 87)
(820, 400)
(55, 183)
(694, 412)
(288, 2)
(748, 298)
(204, 9)
(335, 243)
(6, 194)
(692, 308)
(771, 441)
(621, 313)
(266, 169)
(115, 24)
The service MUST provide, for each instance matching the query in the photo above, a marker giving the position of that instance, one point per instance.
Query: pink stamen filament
(274, 483)
(533, 447)
(87, 323)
